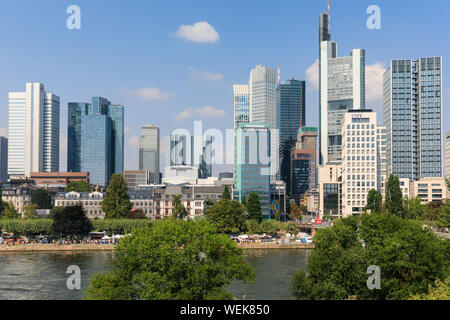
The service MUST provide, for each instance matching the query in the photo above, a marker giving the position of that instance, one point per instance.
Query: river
(32, 276)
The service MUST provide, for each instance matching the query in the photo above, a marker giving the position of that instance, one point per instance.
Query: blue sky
(129, 52)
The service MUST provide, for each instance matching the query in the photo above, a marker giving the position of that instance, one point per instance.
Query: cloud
(200, 32)
(152, 94)
(198, 75)
(133, 141)
(210, 112)
(186, 114)
(374, 82)
(312, 75)
(3, 132)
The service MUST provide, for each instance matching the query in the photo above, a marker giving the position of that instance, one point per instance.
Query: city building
(404, 186)
(241, 101)
(303, 175)
(181, 174)
(96, 139)
(278, 200)
(263, 96)
(291, 116)
(135, 178)
(330, 191)
(412, 114)
(313, 200)
(33, 129)
(429, 189)
(447, 155)
(253, 163)
(19, 197)
(3, 159)
(341, 88)
(201, 154)
(362, 159)
(57, 179)
(178, 148)
(149, 149)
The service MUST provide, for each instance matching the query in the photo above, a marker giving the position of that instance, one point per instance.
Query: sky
(172, 62)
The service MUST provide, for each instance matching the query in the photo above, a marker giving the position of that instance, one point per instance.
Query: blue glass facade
(82, 118)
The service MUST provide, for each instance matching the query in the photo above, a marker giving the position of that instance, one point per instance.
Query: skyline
(189, 79)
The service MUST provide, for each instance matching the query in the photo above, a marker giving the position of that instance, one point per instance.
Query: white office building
(263, 96)
(33, 126)
(241, 104)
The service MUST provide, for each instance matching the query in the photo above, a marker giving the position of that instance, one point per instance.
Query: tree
(54, 210)
(116, 203)
(2, 204)
(269, 227)
(443, 220)
(41, 198)
(254, 207)
(30, 211)
(228, 216)
(174, 260)
(439, 291)
(394, 196)
(10, 212)
(414, 209)
(136, 214)
(374, 201)
(207, 204)
(252, 226)
(291, 227)
(409, 257)
(178, 211)
(78, 186)
(71, 221)
(226, 193)
(244, 201)
(295, 211)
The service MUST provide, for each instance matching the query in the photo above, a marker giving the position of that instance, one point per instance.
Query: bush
(119, 226)
(21, 227)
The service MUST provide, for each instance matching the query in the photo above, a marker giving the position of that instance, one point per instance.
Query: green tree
(54, 210)
(270, 227)
(439, 291)
(10, 212)
(254, 207)
(78, 186)
(207, 204)
(444, 216)
(178, 211)
(116, 203)
(414, 209)
(30, 211)
(409, 257)
(295, 212)
(252, 226)
(228, 216)
(291, 227)
(136, 214)
(41, 198)
(226, 193)
(174, 260)
(374, 201)
(71, 221)
(244, 201)
(2, 204)
(394, 196)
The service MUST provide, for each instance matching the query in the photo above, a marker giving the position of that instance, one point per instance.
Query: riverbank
(111, 247)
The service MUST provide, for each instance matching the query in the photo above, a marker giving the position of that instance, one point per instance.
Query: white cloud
(186, 114)
(151, 94)
(198, 75)
(3, 132)
(200, 32)
(312, 75)
(133, 141)
(374, 82)
(210, 112)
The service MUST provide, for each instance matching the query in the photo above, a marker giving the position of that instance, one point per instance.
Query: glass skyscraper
(3, 159)
(149, 148)
(252, 163)
(82, 121)
(241, 101)
(412, 111)
(291, 116)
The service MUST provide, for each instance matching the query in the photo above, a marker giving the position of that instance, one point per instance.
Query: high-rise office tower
(252, 163)
(363, 155)
(304, 162)
(3, 159)
(178, 147)
(241, 102)
(447, 155)
(412, 112)
(341, 88)
(201, 154)
(102, 122)
(263, 96)
(33, 127)
(149, 152)
(291, 116)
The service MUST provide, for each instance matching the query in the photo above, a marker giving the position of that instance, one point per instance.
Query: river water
(43, 276)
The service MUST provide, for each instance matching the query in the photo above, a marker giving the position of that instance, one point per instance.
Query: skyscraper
(412, 112)
(3, 159)
(101, 121)
(252, 163)
(341, 88)
(263, 96)
(304, 162)
(447, 155)
(149, 148)
(241, 99)
(291, 116)
(201, 154)
(33, 127)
